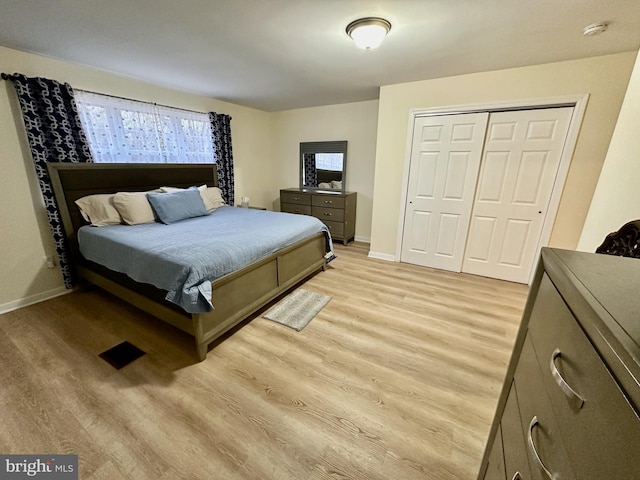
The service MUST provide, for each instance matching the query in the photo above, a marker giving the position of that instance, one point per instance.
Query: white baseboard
(382, 256)
(362, 239)
(31, 299)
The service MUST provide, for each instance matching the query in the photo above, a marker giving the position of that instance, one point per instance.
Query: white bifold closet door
(519, 165)
(445, 158)
(476, 201)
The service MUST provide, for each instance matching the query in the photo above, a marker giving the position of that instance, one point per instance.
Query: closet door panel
(520, 161)
(445, 158)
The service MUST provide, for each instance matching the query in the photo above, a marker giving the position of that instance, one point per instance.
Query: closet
(478, 189)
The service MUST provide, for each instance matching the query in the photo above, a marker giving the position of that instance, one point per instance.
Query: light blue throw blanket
(183, 257)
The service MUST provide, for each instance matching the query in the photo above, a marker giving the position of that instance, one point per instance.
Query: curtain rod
(8, 76)
(141, 101)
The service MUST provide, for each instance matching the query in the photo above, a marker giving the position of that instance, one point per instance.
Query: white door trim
(579, 104)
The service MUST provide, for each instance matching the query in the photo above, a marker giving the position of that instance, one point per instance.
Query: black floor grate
(121, 355)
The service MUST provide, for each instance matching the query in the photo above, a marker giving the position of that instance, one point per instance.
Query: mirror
(323, 165)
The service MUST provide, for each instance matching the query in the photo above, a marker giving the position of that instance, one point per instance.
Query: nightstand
(252, 207)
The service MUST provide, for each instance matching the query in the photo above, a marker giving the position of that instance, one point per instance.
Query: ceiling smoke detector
(594, 29)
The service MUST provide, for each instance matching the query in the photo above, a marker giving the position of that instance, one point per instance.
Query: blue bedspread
(183, 257)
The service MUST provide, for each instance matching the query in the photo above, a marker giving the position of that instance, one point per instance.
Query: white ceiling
(283, 54)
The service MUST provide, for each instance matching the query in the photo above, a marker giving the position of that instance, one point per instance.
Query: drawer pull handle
(296, 198)
(327, 214)
(534, 452)
(328, 202)
(516, 476)
(562, 383)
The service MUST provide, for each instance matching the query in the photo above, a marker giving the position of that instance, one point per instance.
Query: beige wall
(26, 238)
(603, 78)
(616, 199)
(354, 122)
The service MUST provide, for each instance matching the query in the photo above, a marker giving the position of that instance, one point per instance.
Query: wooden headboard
(326, 176)
(72, 181)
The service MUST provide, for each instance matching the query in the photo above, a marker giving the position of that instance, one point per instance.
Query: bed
(236, 294)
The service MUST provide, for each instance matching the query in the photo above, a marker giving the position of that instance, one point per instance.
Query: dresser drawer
(587, 401)
(513, 439)
(327, 201)
(336, 229)
(329, 214)
(543, 438)
(295, 208)
(297, 198)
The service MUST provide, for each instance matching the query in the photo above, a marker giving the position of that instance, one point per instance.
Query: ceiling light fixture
(594, 29)
(368, 33)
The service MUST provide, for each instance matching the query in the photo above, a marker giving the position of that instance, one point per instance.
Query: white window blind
(127, 131)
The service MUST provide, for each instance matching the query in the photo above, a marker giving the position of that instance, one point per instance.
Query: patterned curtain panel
(221, 131)
(310, 172)
(55, 134)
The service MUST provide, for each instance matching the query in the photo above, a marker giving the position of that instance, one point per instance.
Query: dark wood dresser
(336, 209)
(569, 408)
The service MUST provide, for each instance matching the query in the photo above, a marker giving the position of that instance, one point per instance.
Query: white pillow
(134, 207)
(99, 210)
(170, 189)
(212, 197)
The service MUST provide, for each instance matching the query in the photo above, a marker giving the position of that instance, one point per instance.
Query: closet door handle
(534, 452)
(562, 383)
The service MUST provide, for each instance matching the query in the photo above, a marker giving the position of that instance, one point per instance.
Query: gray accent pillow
(175, 206)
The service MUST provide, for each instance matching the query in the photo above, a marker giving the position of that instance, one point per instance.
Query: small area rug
(297, 309)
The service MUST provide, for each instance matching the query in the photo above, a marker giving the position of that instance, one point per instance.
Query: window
(329, 161)
(127, 131)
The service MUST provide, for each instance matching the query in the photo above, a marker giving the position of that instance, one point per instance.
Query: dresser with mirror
(322, 191)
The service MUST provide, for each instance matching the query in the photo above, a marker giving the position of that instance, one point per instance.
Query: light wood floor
(396, 378)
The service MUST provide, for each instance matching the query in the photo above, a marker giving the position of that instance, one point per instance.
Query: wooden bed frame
(236, 296)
